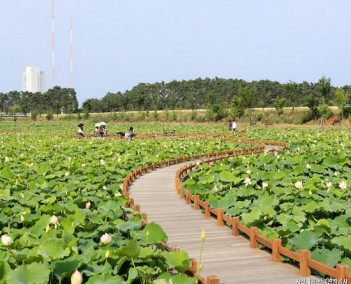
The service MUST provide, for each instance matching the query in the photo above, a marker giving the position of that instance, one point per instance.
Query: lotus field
(63, 217)
(301, 195)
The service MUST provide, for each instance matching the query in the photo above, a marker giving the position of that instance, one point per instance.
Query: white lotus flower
(248, 171)
(105, 238)
(54, 220)
(83, 165)
(66, 174)
(343, 185)
(6, 240)
(308, 166)
(87, 205)
(102, 162)
(247, 181)
(7, 159)
(264, 185)
(329, 184)
(336, 173)
(76, 278)
(299, 184)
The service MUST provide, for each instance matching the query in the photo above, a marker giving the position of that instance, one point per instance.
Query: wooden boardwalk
(227, 256)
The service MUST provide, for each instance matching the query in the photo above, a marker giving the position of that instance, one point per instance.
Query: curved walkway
(228, 257)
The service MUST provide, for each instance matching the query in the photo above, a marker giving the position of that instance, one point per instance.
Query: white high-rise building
(33, 80)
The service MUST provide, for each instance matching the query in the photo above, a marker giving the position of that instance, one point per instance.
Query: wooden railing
(306, 263)
(201, 158)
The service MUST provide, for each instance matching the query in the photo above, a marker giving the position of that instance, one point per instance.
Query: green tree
(324, 87)
(279, 103)
(249, 98)
(341, 98)
(292, 95)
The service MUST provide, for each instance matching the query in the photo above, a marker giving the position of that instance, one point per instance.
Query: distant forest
(191, 94)
(203, 93)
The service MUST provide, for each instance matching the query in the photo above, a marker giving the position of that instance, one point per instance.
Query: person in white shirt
(234, 125)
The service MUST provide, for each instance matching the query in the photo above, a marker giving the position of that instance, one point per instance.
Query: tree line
(217, 92)
(55, 101)
(217, 95)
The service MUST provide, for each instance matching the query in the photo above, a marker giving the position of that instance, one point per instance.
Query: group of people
(101, 131)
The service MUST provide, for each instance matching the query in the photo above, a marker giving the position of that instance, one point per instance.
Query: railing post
(212, 279)
(153, 166)
(253, 241)
(341, 271)
(196, 202)
(220, 217)
(304, 268)
(137, 207)
(144, 217)
(235, 223)
(277, 243)
(207, 210)
(187, 197)
(193, 265)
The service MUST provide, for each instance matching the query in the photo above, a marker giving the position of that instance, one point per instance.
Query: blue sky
(118, 44)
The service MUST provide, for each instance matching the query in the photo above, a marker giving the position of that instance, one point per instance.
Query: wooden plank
(227, 256)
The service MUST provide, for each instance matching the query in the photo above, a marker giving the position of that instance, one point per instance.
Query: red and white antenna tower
(53, 43)
(72, 78)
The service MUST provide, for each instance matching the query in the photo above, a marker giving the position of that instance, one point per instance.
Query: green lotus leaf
(153, 233)
(34, 273)
(131, 249)
(5, 193)
(177, 260)
(53, 248)
(252, 217)
(128, 226)
(226, 176)
(310, 207)
(343, 241)
(4, 269)
(305, 240)
(167, 278)
(331, 161)
(324, 224)
(326, 256)
(105, 279)
(64, 269)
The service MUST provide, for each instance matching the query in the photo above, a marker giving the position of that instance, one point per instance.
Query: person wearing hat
(97, 129)
(80, 131)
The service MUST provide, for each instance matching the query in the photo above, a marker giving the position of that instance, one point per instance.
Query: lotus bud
(107, 253)
(76, 278)
(87, 205)
(6, 240)
(22, 195)
(47, 229)
(147, 233)
(200, 266)
(105, 238)
(22, 218)
(53, 220)
(203, 235)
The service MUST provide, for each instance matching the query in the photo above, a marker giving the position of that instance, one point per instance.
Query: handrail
(306, 263)
(204, 157)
